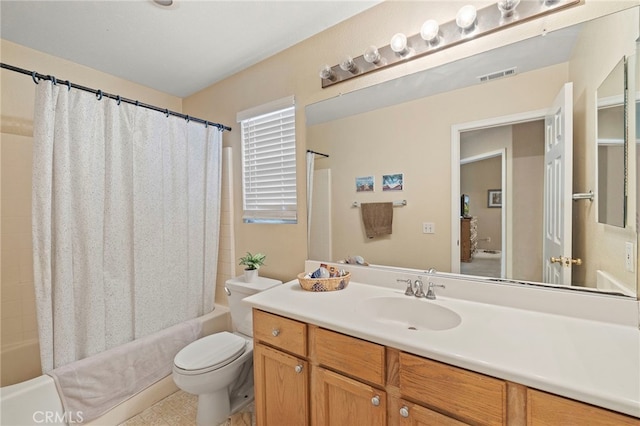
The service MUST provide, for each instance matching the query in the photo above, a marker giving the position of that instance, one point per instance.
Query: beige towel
(377, 218)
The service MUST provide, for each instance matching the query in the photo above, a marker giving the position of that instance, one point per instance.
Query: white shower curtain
(125, 221)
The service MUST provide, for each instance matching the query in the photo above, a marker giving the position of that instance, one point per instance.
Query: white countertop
(590, 361)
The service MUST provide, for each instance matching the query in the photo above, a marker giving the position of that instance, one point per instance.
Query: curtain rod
(318, 153)
(100, 94)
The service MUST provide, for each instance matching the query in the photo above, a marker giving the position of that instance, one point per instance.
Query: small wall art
(494, 198)
(394, 182)
(364, 184)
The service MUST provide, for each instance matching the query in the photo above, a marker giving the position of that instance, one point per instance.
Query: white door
(558, 186)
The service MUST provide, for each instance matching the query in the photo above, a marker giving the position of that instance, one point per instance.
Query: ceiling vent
(497, 74)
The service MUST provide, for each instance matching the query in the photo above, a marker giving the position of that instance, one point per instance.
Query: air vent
(497, 74)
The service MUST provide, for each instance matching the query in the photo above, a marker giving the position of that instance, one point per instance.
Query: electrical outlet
(428, 228)
(628, 256)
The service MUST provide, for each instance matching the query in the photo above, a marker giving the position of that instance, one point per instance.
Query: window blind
(269, 167)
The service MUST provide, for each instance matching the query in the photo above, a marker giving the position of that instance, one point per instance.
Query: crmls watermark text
(52, 417)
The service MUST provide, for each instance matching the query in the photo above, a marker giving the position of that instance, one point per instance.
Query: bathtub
(36, 401)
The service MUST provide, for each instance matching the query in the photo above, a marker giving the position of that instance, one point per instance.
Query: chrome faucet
(431, 295)
(409, 290)
(419, 290)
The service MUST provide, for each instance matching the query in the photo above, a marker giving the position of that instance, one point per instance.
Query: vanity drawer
(544, 409)
(468, 396)
(283, 333)
(352, 356)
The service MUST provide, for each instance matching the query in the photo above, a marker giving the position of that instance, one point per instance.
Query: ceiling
(179, 49)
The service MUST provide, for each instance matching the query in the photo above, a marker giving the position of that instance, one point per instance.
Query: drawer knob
(404, 411)
(375, 401)
(298, 369)
(275, 332)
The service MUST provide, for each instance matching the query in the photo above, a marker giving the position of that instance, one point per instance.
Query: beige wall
(19, 353)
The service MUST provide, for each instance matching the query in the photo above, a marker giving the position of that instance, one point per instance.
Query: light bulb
(347, 64)
(326, 73)
(399, 44)
(430, 31)
(372, 55)
(466, 17)
(508, 7)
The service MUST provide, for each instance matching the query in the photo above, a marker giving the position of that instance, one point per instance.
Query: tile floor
(179, 409)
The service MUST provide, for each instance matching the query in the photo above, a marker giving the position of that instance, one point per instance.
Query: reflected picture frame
(494, 198)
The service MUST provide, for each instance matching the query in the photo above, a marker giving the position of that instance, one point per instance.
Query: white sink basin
(409, 312)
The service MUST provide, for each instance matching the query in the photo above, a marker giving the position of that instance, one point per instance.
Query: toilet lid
(210, 352)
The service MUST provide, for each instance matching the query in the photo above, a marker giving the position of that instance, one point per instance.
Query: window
(269, 163)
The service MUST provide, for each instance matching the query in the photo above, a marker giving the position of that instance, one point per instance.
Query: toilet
(219, 367)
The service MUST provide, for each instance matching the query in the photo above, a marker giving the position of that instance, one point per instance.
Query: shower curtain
(125, 221)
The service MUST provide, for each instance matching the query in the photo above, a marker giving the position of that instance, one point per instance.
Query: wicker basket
(324, 284)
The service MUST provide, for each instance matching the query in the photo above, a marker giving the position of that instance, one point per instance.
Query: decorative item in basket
(324, 279)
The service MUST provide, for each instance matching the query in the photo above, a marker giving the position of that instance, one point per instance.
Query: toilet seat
(210, 353)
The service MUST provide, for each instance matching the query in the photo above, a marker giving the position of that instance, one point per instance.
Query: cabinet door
(409, 414)
(281, 388)
(338, 401)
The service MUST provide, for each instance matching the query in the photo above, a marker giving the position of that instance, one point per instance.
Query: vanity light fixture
(430, 31)
(372, 55)
(399, 44)
(467, 18)
(508, 7)
(434, 36)
(327, 73)
(347, 64)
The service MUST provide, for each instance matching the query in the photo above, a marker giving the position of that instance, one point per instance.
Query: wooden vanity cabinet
(307, 375)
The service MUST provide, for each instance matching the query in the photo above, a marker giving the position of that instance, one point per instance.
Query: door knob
(557, 259)
(404, 411)
(576, 261)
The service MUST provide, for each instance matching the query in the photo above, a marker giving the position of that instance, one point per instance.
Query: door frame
(456, 130)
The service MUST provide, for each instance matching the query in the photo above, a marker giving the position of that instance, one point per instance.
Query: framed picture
(394, 182)
(495, 198)
(364, 184)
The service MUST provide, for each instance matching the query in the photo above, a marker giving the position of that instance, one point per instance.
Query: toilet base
(213, 408)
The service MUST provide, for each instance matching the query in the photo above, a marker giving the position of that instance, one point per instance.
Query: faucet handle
(409, 290)
(430, 293)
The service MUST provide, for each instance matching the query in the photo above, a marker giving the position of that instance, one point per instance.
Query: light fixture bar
(489, 19)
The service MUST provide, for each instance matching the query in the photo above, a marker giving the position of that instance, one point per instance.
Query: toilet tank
(238, 289)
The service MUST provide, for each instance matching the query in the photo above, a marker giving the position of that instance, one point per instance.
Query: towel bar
(399, 203)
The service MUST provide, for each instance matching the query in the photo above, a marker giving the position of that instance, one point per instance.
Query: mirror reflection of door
(516, 240)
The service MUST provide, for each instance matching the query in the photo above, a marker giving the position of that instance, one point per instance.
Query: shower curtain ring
(99, 94)
(187, 118)
(53, 80)
(118, 100)
(166, 112)
(137, 103)
(68, 86)
(36, 80)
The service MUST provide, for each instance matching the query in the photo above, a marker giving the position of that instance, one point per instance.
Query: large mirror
(432, 128)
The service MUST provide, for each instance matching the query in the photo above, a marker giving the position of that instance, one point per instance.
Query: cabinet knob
(404, 411)
(298, 369)
(275, 332)
(375, 401)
